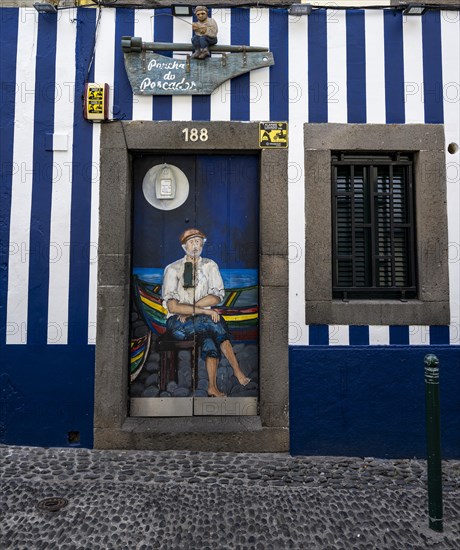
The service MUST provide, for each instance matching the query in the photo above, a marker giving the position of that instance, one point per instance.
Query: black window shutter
(373, 227)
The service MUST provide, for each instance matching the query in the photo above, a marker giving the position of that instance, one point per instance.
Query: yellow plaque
(96, 101)
(273, 134)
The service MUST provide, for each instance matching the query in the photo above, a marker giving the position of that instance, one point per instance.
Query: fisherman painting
(191, 287)
(205, 33)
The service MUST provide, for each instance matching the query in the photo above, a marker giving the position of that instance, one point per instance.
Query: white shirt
(208, 280)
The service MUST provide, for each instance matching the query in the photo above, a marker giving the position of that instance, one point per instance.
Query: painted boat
(239, 308)
(138, 354)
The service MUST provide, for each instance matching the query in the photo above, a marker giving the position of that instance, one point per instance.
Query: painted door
(183, 364)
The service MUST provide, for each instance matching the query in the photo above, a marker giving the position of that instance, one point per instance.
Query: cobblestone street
(186, 500)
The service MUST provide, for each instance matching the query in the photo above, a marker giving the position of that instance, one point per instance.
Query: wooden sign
(151, 73)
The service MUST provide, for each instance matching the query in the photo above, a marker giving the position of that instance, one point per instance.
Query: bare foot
(214, 392)
(243, 380)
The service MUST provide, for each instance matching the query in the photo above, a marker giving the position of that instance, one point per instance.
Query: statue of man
(205, 33)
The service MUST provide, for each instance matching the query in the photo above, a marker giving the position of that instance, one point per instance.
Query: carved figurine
(205, 30)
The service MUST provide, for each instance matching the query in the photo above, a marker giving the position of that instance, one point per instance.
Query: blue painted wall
(45, 393)
(369, 401)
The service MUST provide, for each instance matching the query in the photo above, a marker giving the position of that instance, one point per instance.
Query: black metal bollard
(433, 437)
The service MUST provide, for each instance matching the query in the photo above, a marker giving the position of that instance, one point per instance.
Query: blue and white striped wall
(335, 66)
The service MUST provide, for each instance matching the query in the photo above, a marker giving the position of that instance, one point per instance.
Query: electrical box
(96, 104)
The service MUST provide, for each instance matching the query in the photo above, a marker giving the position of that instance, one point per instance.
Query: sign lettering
(153, 74)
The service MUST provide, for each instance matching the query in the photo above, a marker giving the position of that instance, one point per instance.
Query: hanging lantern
(165, 184)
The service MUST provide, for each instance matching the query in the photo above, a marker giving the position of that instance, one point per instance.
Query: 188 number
(193, 134)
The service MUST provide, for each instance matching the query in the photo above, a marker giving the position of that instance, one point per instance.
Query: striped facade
(358, 66)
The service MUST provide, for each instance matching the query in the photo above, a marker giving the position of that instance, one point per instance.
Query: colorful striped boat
(138, 354)
(239, 308)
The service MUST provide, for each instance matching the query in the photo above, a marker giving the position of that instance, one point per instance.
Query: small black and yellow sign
(96, 101)
(273, 134)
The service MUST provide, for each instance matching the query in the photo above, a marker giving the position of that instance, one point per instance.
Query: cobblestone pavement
(193, 500)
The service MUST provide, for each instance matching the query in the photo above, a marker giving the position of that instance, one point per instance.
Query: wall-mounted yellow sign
(273, 134)
(96, 101)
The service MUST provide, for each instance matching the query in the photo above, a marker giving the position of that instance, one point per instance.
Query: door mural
(194, 306)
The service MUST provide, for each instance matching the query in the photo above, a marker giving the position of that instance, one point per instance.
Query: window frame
(427, 145)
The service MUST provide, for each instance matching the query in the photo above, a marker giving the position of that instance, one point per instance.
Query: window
(373, 226)
(376, 242)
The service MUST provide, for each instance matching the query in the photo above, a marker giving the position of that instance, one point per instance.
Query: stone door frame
(113, 427)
